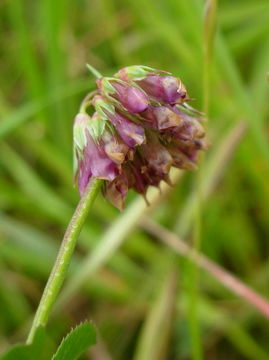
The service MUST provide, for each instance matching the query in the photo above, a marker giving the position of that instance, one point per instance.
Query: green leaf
(76, 342)
(40, 348)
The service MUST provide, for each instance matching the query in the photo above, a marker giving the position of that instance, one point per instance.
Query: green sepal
(79, 133)
(139, 72)
(107, 87)
(101, 105)
(154, 71)
(96, 127)
(136, 72)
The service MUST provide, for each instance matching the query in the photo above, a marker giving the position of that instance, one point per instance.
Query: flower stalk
(63, 259)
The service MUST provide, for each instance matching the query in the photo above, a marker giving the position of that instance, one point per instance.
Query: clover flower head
(140, 128)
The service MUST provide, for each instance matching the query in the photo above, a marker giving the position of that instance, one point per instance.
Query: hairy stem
(62, 262)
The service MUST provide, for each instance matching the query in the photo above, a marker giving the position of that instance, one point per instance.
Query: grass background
(147, 302)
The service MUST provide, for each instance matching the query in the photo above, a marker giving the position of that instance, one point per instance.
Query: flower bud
(116, 190)
(130, 73)
(181, 160)
(115, 149)
(156, 156)
(191, 129)
(95, 162)
(81, 123)
(131, 133)
(137, 72)
(136, 171)
(161, 117)
(131, 98)
(166, 89)
(91, 158)
(158, 84)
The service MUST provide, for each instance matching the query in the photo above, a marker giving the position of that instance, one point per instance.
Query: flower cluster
(140, 128)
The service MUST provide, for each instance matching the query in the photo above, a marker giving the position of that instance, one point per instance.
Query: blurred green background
(146, 301)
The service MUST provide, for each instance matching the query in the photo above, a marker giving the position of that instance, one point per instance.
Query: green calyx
(82, 122)
(107, 87)
(103, 107)
(97, 127)
(137, 72)
(85, 126)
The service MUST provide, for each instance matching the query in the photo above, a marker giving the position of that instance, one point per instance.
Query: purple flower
(95, 163)
(141, 127)
(161, 117)
(91, 156)
(191, 128)
(131, 98)
(114, 147)
(156, 155)
(138, 72)
(181, 160)
(158, 84)
(167, 89)
(131, 133)
(116, 190)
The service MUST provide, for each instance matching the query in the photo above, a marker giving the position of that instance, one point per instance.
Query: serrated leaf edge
(72, 330)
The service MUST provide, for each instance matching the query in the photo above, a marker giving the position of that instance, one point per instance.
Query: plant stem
(62, 262)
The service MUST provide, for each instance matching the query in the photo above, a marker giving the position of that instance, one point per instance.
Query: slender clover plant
(141, 126)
